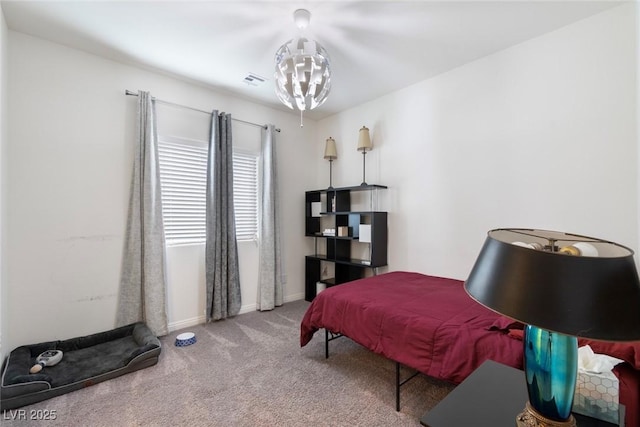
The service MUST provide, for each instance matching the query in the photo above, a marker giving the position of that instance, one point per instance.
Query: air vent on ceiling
(253, 79)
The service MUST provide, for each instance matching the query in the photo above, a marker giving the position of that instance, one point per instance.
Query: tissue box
(597, 396)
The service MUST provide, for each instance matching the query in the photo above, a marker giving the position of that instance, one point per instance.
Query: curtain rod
(128, 92)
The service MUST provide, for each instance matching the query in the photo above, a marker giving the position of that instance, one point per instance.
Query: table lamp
(364, 145)
(561, 286)
(330, 153)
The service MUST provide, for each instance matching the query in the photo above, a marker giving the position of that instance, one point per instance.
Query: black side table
(493, 395)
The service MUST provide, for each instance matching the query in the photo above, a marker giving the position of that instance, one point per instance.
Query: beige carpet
(249, 371)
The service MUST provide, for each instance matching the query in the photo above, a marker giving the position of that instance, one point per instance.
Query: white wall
(70, 146)
(542, 135)
(3, 183)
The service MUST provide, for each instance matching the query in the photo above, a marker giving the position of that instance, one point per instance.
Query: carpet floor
(248, 371)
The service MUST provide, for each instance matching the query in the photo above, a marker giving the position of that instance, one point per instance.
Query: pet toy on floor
(47, 358)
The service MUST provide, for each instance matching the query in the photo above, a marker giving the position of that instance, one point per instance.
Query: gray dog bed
(86, 361)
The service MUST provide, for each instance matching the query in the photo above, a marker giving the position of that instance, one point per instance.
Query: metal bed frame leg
(329, 336)
(397, 387)
(326, 344)
(401, 383)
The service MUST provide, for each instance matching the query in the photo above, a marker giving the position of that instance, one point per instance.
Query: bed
(86, 361)
(431, 325)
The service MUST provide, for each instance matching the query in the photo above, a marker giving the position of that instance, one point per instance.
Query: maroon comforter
(431, 324)
(424, 322)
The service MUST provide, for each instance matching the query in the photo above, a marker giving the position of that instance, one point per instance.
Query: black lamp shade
(595, 297)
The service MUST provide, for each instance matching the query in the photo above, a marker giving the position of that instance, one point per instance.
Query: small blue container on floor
(185, 339)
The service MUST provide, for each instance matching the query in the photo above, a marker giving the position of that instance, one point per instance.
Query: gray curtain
(271, 271)
(143, 292)
(221, 253)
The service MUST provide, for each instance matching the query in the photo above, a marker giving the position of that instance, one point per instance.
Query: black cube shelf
(333, 206)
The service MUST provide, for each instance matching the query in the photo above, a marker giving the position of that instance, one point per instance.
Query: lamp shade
(364, 139)
(330, 152)
(533, 277)
(303, 74)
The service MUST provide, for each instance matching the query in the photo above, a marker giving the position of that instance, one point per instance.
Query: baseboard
(294, 297)
(247, 308)
(288, 298)
(186, 323)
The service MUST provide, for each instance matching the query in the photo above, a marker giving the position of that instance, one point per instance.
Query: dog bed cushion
(86, 361)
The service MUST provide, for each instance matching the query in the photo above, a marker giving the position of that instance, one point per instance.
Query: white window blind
(245, 195)
(183, 174)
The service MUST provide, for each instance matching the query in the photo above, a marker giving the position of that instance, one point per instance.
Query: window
(245, 194)
(183, 174)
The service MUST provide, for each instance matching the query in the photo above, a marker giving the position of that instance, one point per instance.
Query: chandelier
(303, 73)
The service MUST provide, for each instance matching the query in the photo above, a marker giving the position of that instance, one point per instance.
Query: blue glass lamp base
(532, 418)
(551, 368)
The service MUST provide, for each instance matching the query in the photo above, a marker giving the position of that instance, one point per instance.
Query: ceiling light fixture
(303, 73)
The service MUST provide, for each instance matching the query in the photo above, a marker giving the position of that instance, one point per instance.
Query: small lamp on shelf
(330, 153)
(561, 286)
(364, 145)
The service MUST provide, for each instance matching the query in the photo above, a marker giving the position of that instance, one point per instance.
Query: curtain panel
(221, 248)
(271, 272)
(143, 290)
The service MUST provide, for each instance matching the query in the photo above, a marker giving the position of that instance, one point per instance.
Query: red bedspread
(431, 324)
(424, 322)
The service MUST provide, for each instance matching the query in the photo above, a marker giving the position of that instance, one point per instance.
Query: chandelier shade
(303, 74)
(303, 70)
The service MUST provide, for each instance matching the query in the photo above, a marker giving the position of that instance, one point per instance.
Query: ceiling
(376, 47)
